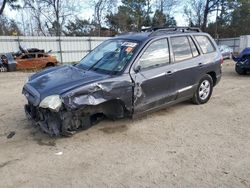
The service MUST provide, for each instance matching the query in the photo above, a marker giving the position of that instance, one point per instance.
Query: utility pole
(216, 24)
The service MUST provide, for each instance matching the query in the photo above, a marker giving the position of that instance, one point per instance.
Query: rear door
(207, 48)
(186, 64)
(211, 58)
(152, 89)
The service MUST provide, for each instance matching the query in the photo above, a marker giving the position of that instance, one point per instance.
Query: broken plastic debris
(11, 134)
(59, 153)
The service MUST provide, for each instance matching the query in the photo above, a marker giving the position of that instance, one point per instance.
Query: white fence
(67, 49)
(72, 49)
(234, 43)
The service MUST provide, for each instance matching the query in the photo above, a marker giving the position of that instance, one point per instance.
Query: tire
(239, 70)
(204, 90)
(3, 68)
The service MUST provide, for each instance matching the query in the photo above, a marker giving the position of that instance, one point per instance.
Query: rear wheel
(204, 90)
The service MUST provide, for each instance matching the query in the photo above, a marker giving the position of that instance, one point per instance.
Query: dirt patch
(182, 146)
(41, 142)
(8, 163)
(114, 129)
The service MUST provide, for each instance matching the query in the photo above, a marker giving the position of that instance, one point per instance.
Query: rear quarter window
(205, 44)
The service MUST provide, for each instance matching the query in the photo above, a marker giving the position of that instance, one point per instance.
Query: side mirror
(137, 68)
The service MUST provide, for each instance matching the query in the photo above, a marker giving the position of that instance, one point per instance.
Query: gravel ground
(182, 146)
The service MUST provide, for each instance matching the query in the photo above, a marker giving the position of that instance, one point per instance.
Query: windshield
(109, 57)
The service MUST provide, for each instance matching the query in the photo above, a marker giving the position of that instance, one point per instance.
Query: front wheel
(204, 90)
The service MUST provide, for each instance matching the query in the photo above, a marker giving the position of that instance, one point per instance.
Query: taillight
(221, 60)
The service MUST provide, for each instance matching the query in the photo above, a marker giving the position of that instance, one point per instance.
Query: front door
(153, 80)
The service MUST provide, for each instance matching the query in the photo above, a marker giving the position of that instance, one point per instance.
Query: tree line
(220, 18)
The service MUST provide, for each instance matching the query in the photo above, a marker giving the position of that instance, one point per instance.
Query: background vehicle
(226, 51)
(128, 75)
(3, 65)
(35, 61)
(27, 59)
(242, 65)
(7, 63)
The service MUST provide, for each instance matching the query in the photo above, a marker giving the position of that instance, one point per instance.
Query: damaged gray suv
(126, 76)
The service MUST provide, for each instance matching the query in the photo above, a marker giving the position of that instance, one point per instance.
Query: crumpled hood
(59, 80)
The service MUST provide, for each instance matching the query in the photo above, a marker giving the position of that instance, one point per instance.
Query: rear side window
(181, 48)
(28, 56)
(205, 44)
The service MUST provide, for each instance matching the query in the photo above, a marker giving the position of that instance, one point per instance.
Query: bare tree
(8, 26)
(3, 4)
(210, 6)
(165, 5)
(36, 9)
(51, 15)
(59, 14)
(101, 8)
(197, 11)
(11, 3)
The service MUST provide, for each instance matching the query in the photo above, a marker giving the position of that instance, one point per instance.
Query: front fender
(98, 93)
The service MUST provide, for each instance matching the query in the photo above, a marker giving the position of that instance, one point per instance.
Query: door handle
(200, 64)
(169, 72)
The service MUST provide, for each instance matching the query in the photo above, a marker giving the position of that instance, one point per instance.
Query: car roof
(134, 36)
(158, 32)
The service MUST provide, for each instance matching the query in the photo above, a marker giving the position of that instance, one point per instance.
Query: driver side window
(157, 54)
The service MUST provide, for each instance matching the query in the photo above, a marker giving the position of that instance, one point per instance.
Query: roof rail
(163, 30)
(126, 33)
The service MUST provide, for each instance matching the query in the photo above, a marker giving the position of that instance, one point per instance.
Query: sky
(87, 13)
(177, 13)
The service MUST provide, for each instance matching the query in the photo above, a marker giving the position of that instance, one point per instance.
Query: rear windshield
(205, 44)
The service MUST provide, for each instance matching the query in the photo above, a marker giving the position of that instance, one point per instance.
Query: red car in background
(27, 59)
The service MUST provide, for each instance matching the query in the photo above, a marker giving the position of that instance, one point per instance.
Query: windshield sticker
(129, 44)
(129, 49)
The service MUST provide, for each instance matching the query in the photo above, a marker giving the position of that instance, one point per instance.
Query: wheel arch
(213, 76)
(114, 109)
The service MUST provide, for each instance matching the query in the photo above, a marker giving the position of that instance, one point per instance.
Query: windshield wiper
(122, 63)
(92, 66)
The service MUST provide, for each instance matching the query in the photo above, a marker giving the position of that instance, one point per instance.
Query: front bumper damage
(81, 108)
(63, 123)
